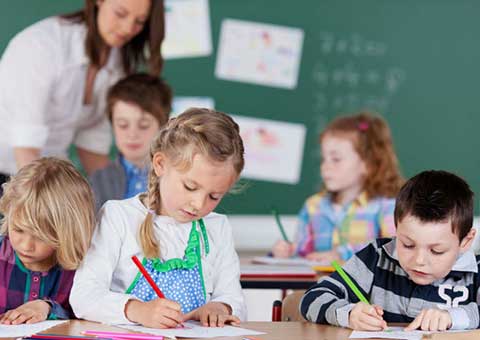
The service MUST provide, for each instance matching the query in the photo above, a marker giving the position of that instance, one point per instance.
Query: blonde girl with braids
(48, 222)
(187, 249)
(361, 178)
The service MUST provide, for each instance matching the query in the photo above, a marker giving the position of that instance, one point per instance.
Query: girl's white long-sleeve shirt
(99, 287)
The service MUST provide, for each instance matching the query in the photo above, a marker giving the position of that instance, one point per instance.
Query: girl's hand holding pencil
(158, 313)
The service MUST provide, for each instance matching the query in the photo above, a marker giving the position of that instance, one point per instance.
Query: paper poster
(273, 149)
(181, 104)
(187, 29)
(259, 53)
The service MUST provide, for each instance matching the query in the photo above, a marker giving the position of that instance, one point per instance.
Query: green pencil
(279, 224)
(349, 282)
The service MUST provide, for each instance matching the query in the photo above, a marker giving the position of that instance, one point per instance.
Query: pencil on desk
(349, 282)
(280, 226)
(148, 277)
(323, 269)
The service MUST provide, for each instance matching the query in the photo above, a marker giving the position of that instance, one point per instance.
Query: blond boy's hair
(212, 134)
(51, 200)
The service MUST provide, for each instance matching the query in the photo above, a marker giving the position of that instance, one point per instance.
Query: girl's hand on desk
(324, 256)
(158, 313)
(431, 320)
(30, 312)
(213, 314)
(365, 317)
(283, 249)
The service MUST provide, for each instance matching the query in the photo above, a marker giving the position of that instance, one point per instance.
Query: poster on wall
(182, 103)
(187, 29)
(273, 149)
(259, 53)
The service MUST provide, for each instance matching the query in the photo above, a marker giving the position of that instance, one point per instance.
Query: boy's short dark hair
(437, 196)
(151, 94)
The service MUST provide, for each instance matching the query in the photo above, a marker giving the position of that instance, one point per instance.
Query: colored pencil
(120, 335)
(349, 282)
(280, 225)
(148, 277)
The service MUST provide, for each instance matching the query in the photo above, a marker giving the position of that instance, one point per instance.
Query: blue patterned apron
(180, 280)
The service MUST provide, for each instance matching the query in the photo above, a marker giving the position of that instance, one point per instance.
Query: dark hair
(151, 94)
(437, 196)
(134, 51)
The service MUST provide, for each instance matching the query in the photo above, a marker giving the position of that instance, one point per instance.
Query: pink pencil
(120, 335)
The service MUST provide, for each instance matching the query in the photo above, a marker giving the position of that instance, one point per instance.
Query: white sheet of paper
(294, 261)
(273, 149)
(187, 29)
(394, 333)
(193, 329)
(259, 53)
(11, 331)
(181, 103)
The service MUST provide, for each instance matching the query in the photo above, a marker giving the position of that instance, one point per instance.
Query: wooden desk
(274, 331)
(277, 282)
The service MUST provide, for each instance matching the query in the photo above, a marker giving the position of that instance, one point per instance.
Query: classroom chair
(288, 309)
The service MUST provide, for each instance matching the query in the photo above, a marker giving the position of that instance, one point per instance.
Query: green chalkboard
(413, 61)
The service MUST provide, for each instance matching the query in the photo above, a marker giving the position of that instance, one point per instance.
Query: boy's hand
(213, 314)
(431, 320)
(324, 256)
(30, 312)
(365, 317)
(283, 249)
(158, 313)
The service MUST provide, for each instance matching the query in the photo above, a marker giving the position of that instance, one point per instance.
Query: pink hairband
(363, 126)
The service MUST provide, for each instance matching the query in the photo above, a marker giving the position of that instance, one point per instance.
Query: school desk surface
(273, 330)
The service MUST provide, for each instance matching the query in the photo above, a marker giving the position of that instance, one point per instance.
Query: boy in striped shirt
(426, 276)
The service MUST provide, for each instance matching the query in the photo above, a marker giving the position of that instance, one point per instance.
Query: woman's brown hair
(134, 52)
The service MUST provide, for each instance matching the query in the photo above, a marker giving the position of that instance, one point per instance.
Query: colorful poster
(259, 53)
(273, 149)
(187, 29)
(181, 103)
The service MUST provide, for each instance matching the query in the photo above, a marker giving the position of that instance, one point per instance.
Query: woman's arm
(25, 155)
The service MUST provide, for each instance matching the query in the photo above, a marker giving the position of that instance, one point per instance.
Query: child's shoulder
(7, 254)
(316, 199)
(101, 176)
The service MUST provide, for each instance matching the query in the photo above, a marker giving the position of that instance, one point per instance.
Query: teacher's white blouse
(42, 84)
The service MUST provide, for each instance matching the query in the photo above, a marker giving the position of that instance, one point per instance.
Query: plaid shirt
(19, 285)
(349, 229)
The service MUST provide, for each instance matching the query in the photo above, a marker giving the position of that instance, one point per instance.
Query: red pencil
(148, 277)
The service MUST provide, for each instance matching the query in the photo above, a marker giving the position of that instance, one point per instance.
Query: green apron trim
(192, 257)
